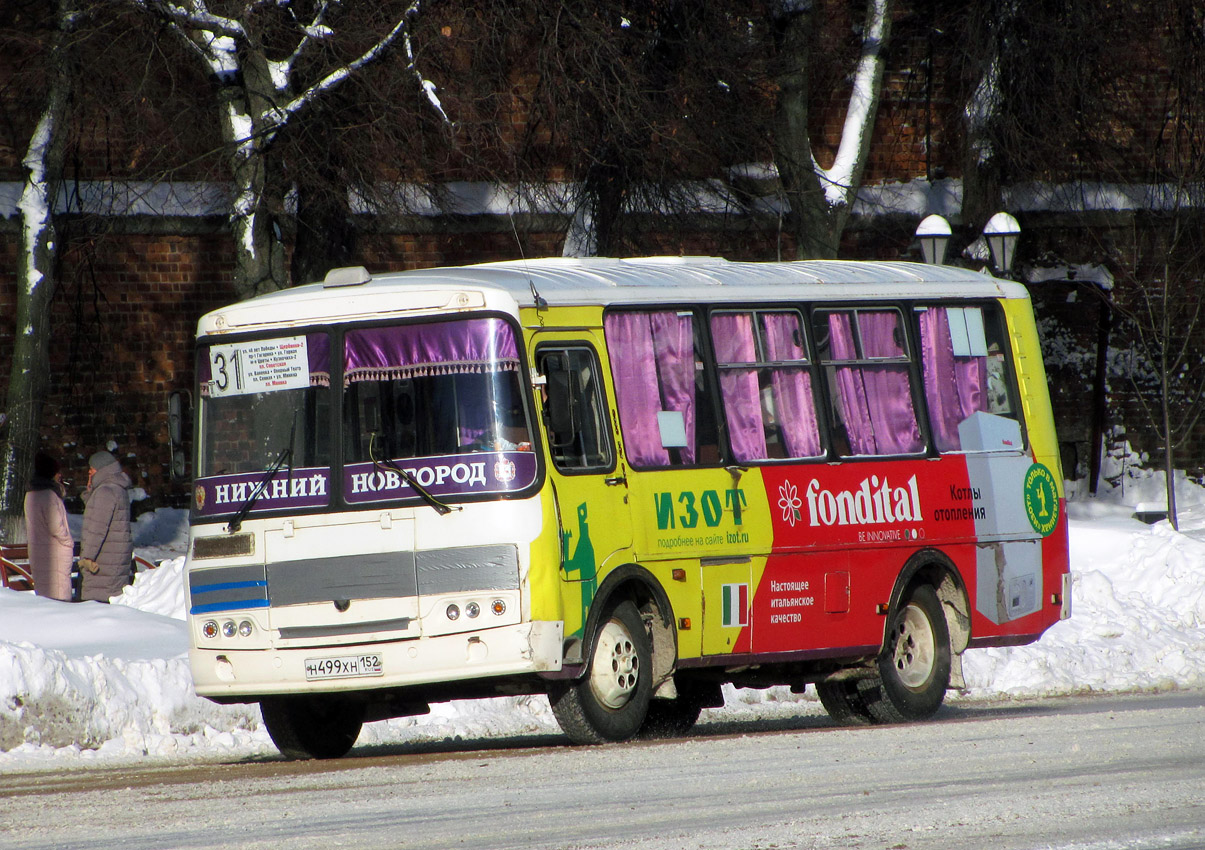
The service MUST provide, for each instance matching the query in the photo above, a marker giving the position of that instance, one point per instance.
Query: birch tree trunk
(36, 279)
(269, 70)
(821, 199)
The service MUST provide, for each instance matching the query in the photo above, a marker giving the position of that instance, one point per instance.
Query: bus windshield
(260, 398)
(429, 396)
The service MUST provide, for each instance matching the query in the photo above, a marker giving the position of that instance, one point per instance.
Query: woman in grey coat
(106, 545)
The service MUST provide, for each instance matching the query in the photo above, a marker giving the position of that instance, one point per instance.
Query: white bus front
(366, 498)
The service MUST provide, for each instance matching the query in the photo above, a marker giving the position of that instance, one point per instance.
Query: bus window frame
(336, 497)
(704, 352)
(339, 497)
(826, 368)
(988, 306)
(601, 397)
(810, 365)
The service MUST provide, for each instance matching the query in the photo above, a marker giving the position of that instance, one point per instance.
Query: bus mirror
(178, 404)
(564, 417)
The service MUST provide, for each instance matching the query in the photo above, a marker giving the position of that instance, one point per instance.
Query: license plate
(343, 667)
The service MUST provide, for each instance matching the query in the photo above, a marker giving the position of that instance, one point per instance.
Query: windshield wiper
(442, 508)
(286, 454)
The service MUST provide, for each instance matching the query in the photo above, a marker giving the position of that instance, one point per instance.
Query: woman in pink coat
(49, 538)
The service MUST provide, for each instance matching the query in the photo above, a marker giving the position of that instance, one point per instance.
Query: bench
(14, 566)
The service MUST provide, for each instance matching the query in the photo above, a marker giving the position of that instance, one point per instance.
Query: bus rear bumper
(227, 675)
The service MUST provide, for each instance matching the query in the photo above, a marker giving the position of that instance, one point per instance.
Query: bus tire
(914, 669)
(845, 700)
(312, 727)
(671, 718)
(611, 701)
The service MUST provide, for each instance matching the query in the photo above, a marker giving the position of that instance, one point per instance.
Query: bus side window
(765, 384)
(865, 357)
(963, 355)
(575, 411)
(666, 409)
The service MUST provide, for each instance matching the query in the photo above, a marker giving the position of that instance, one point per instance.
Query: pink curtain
(734, 343)
(876, 400)
(652, 360)
(436, 348)
(954, 386)
(792, 386)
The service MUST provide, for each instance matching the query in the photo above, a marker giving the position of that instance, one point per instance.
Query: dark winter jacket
(106, 537)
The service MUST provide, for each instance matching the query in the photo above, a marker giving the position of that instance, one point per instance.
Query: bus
(621, 483)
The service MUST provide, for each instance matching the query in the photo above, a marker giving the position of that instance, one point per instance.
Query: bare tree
(1166, 312)
(633, 107)
(270, 64)
(37, 272)
(1166, 322)
(821, 198)
(1058, 112)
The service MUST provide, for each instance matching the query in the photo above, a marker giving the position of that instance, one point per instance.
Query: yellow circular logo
(199, 495)
(1041, 499)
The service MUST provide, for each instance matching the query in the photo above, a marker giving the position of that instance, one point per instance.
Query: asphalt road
(1100, 773)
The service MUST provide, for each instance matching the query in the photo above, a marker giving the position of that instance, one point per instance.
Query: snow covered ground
(91, 683)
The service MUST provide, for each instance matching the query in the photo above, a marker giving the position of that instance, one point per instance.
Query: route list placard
(262, 366)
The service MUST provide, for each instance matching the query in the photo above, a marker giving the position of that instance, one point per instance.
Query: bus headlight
(228, 629)
(472, 610)
(245, 628)
(498, 607)
(210, 629)
(453, 612)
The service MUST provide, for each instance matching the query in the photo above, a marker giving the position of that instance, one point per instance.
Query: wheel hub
(616, 667)
(915, 648)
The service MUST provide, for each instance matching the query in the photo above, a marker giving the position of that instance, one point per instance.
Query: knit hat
(44, 465)
(100, 460)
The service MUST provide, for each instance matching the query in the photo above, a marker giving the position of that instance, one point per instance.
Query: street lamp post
(1001, 233)
(934, 235)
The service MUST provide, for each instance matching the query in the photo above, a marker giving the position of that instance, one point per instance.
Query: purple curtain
(652, 359)
(734, 343)
(441, 348)
(851, 393)
(876, 400)
(792, 387)
(954, 386)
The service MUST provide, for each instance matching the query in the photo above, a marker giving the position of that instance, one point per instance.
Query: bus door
(589, 483)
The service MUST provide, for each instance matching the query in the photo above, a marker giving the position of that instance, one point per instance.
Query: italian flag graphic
(736, 604)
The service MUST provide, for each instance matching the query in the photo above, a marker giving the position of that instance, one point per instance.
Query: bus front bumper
(525, 648)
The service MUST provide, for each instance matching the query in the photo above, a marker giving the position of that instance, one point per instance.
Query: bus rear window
(970, 396)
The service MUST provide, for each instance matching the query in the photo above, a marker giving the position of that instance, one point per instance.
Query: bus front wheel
(914, 669)
(611, 701)
(312, 727)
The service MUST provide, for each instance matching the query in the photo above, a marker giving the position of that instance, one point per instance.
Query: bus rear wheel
(312, 727)
(846, 700)
(611, 701)
(914, 669)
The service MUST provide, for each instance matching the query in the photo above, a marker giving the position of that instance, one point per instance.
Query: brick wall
(123, 317)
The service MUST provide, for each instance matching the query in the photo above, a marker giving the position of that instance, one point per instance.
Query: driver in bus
(506, 432)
